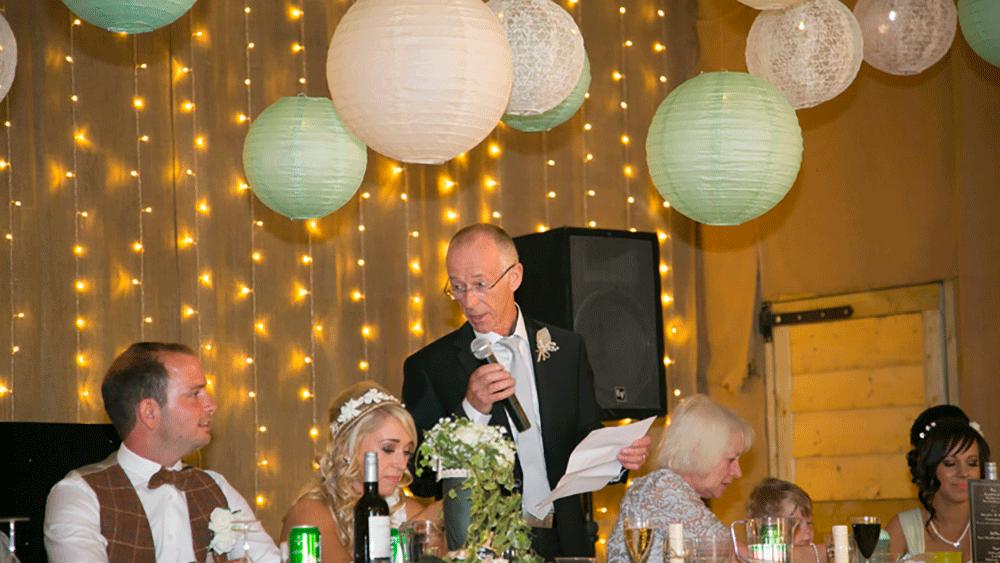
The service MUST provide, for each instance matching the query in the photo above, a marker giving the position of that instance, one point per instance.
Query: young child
(774, 497)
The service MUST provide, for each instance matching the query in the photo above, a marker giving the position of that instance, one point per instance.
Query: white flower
(545, 344)
(468, 434)
(221, 525)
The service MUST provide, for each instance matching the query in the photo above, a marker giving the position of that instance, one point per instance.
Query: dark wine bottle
(371, 519)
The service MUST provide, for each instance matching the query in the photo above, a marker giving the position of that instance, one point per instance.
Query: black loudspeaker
(605, 286)
(38, 455)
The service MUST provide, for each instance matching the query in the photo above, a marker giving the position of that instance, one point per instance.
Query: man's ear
(148, 413)
(516, 276)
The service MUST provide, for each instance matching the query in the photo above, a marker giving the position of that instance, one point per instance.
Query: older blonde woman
(363, 418)
(698, 456)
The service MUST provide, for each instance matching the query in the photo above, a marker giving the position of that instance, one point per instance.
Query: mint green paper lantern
(980, 22)
(724, 147)
(301, 160)
(129, 16)
(557, 115)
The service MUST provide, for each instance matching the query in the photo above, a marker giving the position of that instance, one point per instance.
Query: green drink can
(303, 545)
(397, 543)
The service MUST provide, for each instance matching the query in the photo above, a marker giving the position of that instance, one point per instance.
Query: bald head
(499, 237)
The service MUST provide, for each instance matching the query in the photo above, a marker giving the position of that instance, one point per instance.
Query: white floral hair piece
(357, 406)
(975, 426)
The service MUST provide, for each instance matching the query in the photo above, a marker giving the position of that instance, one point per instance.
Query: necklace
(956, 544)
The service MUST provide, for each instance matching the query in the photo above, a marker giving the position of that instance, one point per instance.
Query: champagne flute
(243, 527)
(866, 532)
(638, 538)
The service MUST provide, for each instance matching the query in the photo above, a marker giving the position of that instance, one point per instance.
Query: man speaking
(547, 375)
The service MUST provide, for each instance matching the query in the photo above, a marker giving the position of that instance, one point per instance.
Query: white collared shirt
(529, 368)
(73, 517)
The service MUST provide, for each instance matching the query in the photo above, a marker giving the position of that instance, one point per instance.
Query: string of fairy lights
(7, 387)
(137, 104)
(78, 216)
(576, 9)
(296, 14)
(191, 174)
(625, 44)
(250, 291)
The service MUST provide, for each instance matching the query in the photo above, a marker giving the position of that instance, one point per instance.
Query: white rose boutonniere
(221, 525)
(545, 344)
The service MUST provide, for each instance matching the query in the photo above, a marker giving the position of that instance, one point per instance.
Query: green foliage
(486, 455)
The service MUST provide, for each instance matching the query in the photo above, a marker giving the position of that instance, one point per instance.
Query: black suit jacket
(434, 384)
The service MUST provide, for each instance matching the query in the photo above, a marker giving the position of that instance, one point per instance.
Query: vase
(456, 511)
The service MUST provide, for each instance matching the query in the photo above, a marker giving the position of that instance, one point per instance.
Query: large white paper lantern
(724, 147)
(8, 57)
(770, 4)
(811, 52)
(547, 53)
(129, 16)
(420, 80)
(301, 160)
(906, 36)
(980, 21)
(557, 115)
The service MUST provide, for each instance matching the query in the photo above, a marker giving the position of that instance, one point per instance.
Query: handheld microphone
(483, 350)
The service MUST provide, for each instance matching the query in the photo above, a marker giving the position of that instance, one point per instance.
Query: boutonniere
(221, 523)
(545, 344)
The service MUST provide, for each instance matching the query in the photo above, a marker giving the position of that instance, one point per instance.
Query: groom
(554, 385)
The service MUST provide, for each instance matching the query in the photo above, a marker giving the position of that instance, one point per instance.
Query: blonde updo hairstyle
(341, 466)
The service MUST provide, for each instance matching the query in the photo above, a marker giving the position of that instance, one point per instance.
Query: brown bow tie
(175, 478)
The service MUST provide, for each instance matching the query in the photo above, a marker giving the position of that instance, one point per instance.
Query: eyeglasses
(479, 288)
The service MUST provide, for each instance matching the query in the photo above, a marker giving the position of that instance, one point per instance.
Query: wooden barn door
(843, 394)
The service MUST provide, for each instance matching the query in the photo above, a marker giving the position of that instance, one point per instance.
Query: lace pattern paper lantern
(129, 16)
(8, 57)
(980, 21)
(420, 80)
(811, 52)
(301, 160)
(724, 147)
(547, 53)
(770, 4)
(557, 115)
(906, 37)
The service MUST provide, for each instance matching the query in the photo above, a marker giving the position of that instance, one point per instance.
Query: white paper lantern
(557, 115)
(906, 36)
(129, 16)
(420, 80)
(770, 4)
(546, 48)
(724, 147)
(301, 160)
(8, 57)
(810, 52)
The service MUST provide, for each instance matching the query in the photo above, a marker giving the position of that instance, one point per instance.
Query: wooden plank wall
(857, 385)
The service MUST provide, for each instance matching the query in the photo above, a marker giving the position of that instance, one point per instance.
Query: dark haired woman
(947, 453)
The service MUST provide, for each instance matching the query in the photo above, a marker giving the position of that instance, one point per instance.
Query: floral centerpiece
(486, 455)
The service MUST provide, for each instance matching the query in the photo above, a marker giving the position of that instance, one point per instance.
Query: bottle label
(378, 537)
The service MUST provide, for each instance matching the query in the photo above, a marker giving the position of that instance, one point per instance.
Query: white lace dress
(665, 498)
(397, 508)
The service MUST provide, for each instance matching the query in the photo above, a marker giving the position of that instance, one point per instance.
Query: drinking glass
(709, 549)
(866, 532)
(638, 538)
(243, 527)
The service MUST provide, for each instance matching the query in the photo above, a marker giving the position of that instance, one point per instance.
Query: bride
(947, 453)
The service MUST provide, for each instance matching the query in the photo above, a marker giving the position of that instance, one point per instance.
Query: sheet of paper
(593, 463)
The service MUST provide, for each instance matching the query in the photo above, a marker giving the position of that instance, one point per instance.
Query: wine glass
(638, 538)
(866, 532)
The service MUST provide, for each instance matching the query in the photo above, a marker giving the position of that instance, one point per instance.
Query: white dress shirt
(532, 411)
(73, 517)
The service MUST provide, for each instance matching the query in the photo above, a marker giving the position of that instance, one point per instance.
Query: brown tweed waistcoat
(123, 519)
